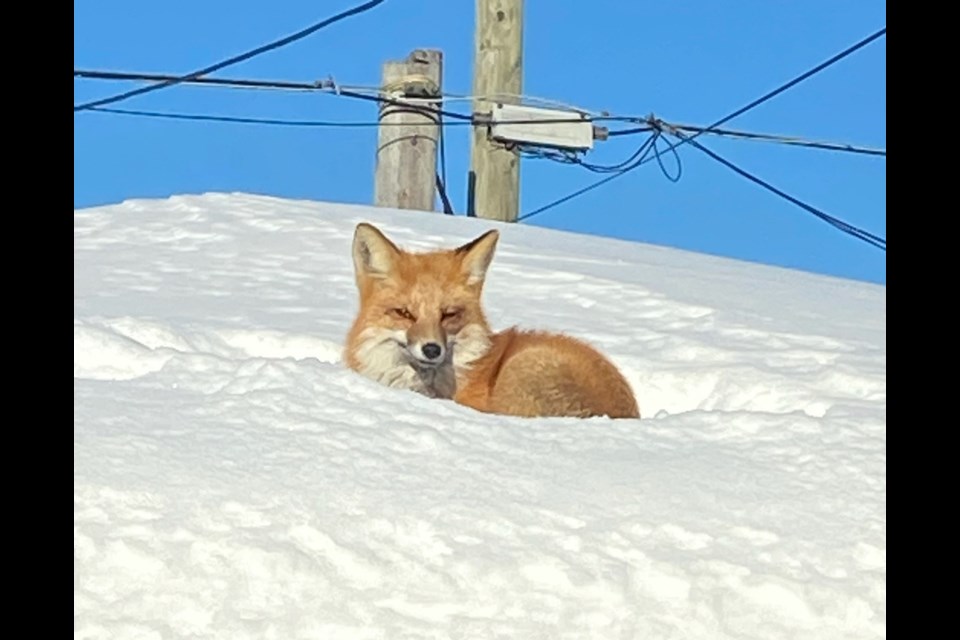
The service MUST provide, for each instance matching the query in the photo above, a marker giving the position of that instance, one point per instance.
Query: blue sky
(685, 61)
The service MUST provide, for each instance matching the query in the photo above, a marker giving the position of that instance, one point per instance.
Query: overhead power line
(330, 87)
(846, 227)
(242, 120)
(463, 119)
(372, 93)
(571, 157)
(235, 59)
(637, 158)
(803, 76)
(751, 105)
(327, 86)
(748, 135)
(787, 140)
(236, 83)
(442, 190)
(641, 156)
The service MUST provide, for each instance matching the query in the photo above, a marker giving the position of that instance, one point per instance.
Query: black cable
(431, 111)
(235, 59)
(663, 169)
(599, 183)
(442, 176)
(326, 85)
(442, 190)
(766, 137)
(799, 142)
(767, 96)
(803, 76)
(846, 227)
(570, 157)
(461, 119)
(443, 153)
(620, 166)
(238, 83)
(629, 132)
(243, 120)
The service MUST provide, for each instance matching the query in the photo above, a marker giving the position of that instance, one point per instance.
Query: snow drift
(232, 479)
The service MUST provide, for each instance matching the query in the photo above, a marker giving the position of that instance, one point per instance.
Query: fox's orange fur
(421, 327)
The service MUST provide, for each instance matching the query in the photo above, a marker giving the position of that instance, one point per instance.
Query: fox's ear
(373, 254)
(476, 256)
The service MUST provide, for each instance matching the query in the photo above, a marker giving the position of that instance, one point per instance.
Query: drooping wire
(565, 156)
(232, 83)
(241, 120)
(442, 190)
(803, 76)
(620, 166)
(751, 105)
(443, 153)
(663, 169)
(845, 227)
(645, 151)
(442, 176)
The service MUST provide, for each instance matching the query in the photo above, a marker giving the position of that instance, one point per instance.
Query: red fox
(421, 327)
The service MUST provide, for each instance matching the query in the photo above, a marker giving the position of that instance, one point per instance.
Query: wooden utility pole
(497, 69)
(407, 139)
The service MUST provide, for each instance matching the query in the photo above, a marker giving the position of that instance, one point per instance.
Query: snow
(232, 479)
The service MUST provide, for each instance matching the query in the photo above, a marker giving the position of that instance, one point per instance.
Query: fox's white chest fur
(382, 356)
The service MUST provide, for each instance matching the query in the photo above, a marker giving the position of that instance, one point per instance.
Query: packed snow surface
(232, 479)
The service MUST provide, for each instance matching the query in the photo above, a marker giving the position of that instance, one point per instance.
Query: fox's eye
(401, 312)
(450, 314)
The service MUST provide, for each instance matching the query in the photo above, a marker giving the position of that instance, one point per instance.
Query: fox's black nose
(431, 351)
